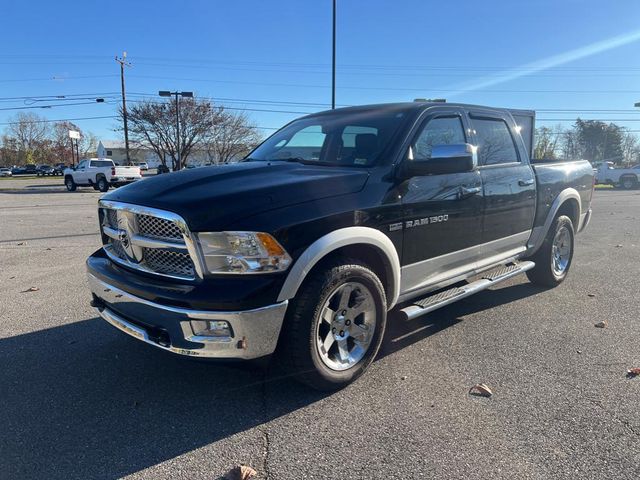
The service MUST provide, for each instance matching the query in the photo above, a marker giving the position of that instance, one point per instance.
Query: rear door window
(495, 142)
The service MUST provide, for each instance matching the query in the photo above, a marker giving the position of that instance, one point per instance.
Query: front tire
(335, 325)
(554, 257)
(70, 184)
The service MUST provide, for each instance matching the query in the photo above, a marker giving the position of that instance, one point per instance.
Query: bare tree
(232, 137)
(153, 125)
(546, 145)
(29, 132)
(630, 147)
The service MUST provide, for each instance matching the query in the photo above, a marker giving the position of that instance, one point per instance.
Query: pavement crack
(625, 423)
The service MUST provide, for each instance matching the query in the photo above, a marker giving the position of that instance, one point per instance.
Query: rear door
(509, 185)
(442, 214)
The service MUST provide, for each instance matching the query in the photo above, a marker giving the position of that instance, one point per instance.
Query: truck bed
(553, 176)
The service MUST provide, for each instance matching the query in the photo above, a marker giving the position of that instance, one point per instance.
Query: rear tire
(70, 184)
(334, 325)
(103, 185)
(553, 259)
(628, 182)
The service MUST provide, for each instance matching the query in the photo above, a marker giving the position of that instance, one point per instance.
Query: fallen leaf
(480, 389)
(578, 351)
(22, 243)
(241, 472)
(602, 324)
(48, 248)
(30, 289)
(591, 295)
(11, 278)
(633, 372)
(619, 245)
(404, 377)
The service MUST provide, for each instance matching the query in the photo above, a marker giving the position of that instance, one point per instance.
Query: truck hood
(211, 198)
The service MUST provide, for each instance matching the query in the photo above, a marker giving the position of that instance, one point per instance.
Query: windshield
(349, 139)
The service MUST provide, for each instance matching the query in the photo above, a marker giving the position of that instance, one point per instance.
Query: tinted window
(439, 131)
(495, 143)
(355, 138)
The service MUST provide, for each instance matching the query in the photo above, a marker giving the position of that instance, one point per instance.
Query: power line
(64, 119)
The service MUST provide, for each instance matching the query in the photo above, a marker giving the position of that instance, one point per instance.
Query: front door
(80, 175)
(509, 186)
(442, 214)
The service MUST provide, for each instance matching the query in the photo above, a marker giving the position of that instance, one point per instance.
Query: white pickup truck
(100, 174)
(627, 178)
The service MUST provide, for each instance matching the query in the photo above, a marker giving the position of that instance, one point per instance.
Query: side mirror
(457, 158)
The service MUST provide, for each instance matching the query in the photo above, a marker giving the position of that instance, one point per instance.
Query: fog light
(211, 328)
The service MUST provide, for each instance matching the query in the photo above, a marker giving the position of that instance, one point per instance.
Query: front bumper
(254, 332)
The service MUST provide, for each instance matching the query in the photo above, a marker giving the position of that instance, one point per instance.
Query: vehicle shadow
(84, 401)
(401, 334)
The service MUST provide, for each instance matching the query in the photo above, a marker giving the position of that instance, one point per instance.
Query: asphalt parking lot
(81, 400)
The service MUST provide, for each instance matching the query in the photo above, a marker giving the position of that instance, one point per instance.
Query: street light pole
(122, 61)
(166, 93)
(178, 130)
(333, 61)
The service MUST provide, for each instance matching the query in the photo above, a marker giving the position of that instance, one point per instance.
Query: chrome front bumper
(254, 332)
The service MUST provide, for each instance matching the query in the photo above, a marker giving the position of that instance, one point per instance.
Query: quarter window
(439, 131)
(495, 143)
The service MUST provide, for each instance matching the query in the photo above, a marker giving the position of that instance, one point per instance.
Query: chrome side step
(433, 302)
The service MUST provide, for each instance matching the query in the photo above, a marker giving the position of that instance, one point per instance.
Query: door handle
(468, 191)
(525, 183)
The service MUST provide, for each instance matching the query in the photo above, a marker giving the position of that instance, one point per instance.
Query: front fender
(338, 239)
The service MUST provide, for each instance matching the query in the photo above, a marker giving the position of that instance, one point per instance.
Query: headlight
(242, 252)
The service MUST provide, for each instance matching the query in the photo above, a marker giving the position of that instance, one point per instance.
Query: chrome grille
(117, 249)
(111, 217)
(146, 239)
(165, 261)
(158, 227)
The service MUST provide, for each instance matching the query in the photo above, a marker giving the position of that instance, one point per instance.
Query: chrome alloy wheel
(561, 251)
(346, 326)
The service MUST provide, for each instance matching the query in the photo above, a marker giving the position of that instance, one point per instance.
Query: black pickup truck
(304, 247)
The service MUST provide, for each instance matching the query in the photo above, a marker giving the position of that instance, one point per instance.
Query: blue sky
(275, 55)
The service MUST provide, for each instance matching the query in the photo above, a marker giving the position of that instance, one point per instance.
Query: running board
(433, 302)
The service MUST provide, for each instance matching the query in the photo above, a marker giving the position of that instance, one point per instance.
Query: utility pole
(123, 61)
(333, 61)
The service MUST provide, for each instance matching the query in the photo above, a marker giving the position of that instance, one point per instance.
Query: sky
(272, 59)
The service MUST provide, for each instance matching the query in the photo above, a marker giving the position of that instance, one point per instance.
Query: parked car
(143, 165)
(5, 172)
(26, 170)
(59, 168)
(626, 178)
(162, 169)
(333, 221)
(99, 174)
(45, 170)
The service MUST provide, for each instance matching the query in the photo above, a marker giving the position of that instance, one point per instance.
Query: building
(116, 151)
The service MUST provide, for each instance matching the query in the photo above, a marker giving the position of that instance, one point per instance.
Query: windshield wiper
(295, 160)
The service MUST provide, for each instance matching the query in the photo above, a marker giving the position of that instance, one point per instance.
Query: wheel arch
(365, 243)
(568, 202)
